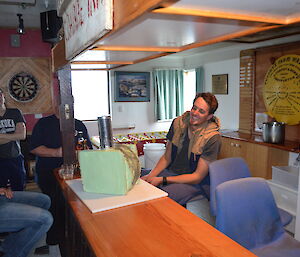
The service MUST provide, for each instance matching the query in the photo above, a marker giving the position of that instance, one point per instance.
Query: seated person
(24, 216)
(12, 130)
(193, 142)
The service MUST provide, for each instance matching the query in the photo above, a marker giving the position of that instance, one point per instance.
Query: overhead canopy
(143, 30)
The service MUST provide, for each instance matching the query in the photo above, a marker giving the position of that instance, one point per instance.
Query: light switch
(120, 108)
(15, 40)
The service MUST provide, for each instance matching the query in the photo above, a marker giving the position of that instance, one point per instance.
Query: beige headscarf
(199, 137)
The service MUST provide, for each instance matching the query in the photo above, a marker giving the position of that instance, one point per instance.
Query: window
(90, 91)
(189, 82)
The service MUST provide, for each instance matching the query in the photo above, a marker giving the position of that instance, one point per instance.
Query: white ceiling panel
(31, 13)
(93, 66)
(254, 7)
(171, 30)
(97, 55)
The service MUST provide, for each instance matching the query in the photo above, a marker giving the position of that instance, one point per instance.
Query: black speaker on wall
(50, 25)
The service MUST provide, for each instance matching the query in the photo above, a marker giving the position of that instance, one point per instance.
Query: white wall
(228, 111)
(139, 114)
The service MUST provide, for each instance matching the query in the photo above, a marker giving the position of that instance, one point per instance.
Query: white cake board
(141, 192)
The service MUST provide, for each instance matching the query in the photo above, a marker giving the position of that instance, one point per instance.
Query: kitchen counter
(257, 139)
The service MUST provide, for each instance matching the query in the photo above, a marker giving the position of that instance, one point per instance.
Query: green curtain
(199, 80)
(168, 86)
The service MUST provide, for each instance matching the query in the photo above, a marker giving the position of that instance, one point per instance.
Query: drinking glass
(67, 171)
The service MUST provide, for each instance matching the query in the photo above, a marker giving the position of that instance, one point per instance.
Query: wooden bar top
(154, 228)
(257, 139)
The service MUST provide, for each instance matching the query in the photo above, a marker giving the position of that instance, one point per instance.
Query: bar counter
(154, 228)
(290, 146)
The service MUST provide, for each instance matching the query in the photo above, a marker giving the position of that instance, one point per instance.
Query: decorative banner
(85, 21)
(281, 90)
(61, 6)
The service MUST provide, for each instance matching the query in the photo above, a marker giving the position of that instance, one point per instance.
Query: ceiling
(178, 26)
(30, 9)
(192, 24)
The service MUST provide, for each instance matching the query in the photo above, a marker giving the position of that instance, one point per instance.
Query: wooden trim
(91, 69)
(135, 48)
(102, 62)
(151, 57)
(124, 13)
(283, 45)
(127, 11)
(221, 15)
(291, 20)
(227, 37)
(58, 55)
(246, 114)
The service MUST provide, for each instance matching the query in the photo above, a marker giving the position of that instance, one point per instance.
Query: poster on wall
(84, 22)
(132, 86)
(220, 84)
(281, 91)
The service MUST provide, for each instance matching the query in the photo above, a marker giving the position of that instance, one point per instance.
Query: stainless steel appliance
(273, 132)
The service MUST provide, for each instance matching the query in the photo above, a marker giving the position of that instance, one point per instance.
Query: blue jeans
(26, 217)
(180, 193)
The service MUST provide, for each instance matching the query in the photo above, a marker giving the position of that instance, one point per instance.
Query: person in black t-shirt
(46, 144)
(12, 130)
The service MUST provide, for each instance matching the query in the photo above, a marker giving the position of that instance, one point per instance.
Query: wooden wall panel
(247, 65)
(265, 57)
(38, 67)
(251, 97)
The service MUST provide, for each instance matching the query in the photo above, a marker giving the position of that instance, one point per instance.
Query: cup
(67, 172)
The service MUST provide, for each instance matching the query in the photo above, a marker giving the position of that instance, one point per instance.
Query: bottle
(80, 141)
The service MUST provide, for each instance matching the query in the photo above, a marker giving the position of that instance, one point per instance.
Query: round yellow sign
(281, 90)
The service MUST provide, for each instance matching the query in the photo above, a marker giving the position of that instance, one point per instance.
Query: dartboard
(23, 87)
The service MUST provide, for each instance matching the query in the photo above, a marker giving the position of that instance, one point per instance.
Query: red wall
(31, 45)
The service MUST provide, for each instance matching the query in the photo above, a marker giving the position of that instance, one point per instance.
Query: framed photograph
(220, 84)
(132, 86)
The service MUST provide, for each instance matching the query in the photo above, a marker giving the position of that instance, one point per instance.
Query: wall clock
(23, 87)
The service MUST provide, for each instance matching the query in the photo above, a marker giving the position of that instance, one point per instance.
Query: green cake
(110, 171)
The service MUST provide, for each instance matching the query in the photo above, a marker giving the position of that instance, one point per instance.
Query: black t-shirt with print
(8, 124)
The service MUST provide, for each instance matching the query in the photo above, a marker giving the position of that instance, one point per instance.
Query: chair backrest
(247, 212)
(223, 170)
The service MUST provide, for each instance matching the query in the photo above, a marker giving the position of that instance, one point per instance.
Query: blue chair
(223, 170)
(219, 171)
(228, 169)
(247, 213)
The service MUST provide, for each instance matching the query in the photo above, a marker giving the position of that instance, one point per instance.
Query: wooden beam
(135, 48)
(151, 57)
(89, 69)
(292, 20)
(221, 15)
(103, 62)
(228, 37)
(126, 11)
(58, 56)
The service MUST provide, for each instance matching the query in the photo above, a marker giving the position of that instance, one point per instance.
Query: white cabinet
(285, 197)
(297, 227)
(285, 191)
